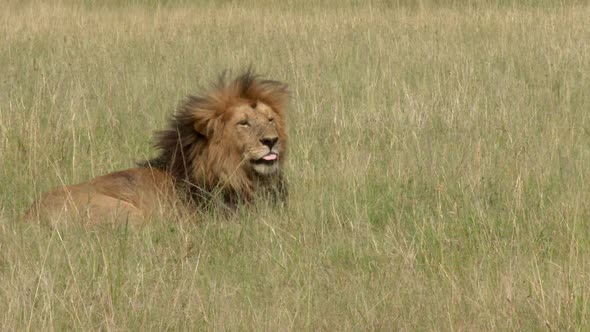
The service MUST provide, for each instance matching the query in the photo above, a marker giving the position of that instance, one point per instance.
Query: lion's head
(232, 139)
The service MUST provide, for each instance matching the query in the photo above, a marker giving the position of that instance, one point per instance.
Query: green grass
(439, 166)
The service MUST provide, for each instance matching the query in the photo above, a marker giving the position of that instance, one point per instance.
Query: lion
(223, 147)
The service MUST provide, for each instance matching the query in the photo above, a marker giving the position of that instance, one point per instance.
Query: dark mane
(183, 145)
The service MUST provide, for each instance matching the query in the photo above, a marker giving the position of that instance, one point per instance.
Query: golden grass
(439, 164)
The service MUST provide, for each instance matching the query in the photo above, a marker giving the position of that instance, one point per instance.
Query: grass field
(439, 166)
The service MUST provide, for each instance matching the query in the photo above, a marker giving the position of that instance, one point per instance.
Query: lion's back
(130, 195)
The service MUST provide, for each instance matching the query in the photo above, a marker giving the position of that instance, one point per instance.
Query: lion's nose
(269, 141)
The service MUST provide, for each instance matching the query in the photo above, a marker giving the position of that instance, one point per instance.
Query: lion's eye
(271, 119)
(244, 123)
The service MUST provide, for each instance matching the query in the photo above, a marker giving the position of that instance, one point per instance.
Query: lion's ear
(203, 128)
(204, 122)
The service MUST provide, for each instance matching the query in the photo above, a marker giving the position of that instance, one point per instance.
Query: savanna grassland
(439, 166)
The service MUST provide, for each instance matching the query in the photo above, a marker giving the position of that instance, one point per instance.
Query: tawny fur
(226, 146)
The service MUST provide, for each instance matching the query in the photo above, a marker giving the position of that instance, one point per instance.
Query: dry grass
(439, 167)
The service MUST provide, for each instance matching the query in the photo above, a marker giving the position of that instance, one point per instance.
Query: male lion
(227, 146)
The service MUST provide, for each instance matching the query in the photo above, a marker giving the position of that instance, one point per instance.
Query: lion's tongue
(270, 156)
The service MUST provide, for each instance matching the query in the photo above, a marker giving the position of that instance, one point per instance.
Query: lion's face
(255, 130)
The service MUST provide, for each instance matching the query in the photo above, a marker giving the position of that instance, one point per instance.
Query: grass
(440, 157)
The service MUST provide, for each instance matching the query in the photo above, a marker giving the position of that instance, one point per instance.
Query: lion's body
(131, 195)
(228, 145)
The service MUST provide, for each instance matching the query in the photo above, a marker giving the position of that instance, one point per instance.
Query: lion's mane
(207, 166)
